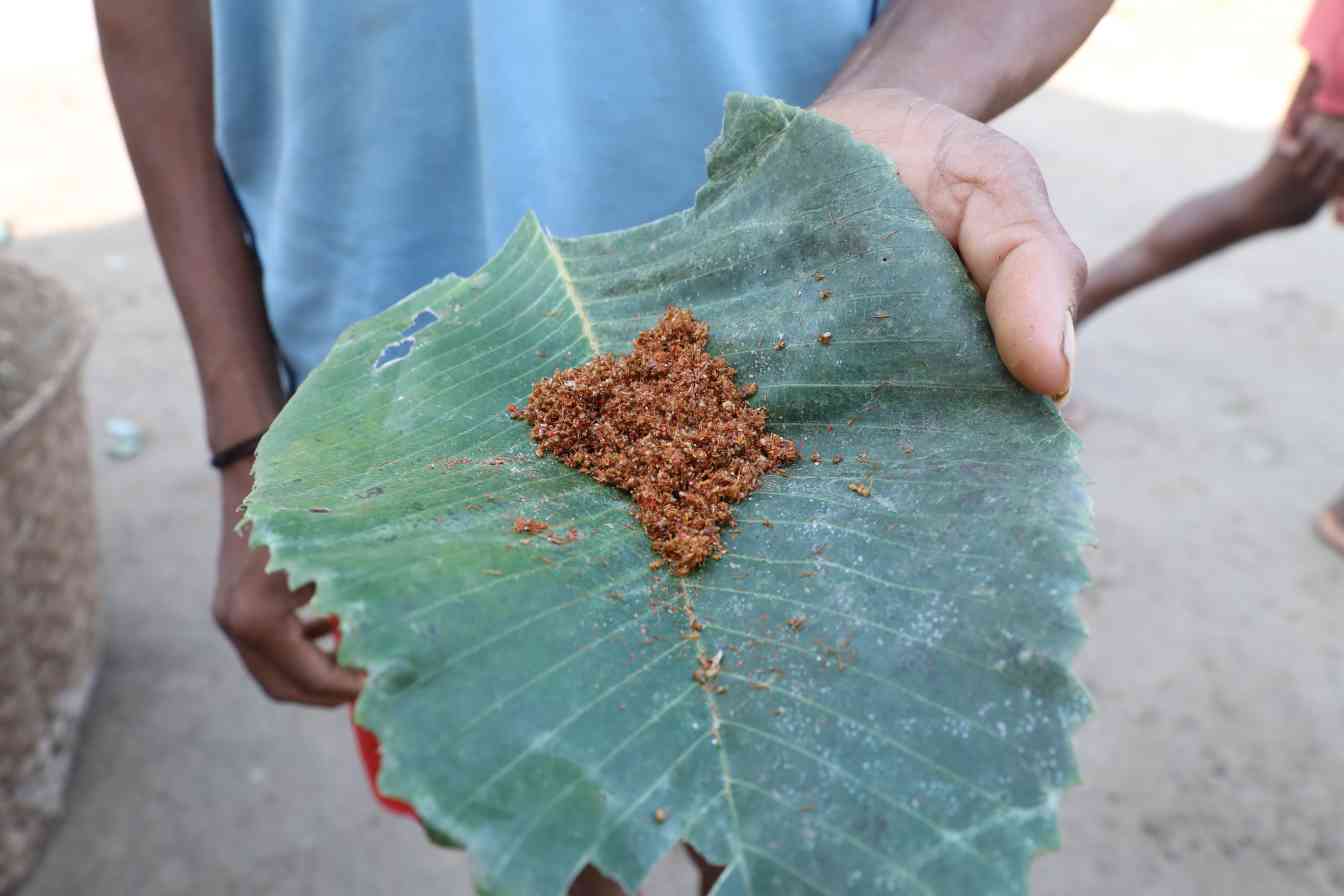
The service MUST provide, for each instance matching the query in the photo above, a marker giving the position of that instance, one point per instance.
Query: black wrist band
(234, 453)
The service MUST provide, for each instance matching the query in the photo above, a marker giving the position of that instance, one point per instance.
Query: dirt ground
(1211, 419)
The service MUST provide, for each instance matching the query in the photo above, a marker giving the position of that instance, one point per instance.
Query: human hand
(1318, 152)
(1299, 108)
(985, 194)
(257, 612)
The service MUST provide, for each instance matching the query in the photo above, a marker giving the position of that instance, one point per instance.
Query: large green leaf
(535, 701)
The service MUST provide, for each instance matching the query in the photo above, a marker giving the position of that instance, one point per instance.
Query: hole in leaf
(395, 351)
(422, 320)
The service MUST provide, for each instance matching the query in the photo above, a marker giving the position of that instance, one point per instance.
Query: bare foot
(1330, 525)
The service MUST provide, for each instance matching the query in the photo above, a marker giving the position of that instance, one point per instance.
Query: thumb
(1030, 300)
(985, 194)
(1021, 258)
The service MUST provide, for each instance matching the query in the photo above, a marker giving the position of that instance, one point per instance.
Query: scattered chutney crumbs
(708, 669)
(524, 524)
(568, 538)
(667, 424)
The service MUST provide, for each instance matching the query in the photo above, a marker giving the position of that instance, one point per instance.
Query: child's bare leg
(1271, 198)
(1330, 524)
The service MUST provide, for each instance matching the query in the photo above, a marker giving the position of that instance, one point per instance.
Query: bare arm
(158, 61)
(157, 56)
(979, 57)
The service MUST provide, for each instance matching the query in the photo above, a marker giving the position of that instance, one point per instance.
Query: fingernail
(1067, 345)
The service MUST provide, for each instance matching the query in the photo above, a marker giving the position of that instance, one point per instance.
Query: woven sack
(48, 594)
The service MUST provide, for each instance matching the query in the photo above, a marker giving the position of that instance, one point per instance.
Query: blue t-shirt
(379, 144)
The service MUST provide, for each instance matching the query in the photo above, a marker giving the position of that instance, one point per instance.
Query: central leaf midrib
(562, 270)
(716, 740)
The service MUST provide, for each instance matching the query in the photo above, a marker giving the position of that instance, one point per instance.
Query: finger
(1305, 156)
(310, 668)
(1311, 157)
(298, 597)
(1326, 175)
(276, 685)
(1030, 303)
(1289, 140)
(1299, 110)
(320, 627)
(323, 633)
(1031, 273)
(285, 662)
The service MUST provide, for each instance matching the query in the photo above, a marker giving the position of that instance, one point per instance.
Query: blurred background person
(1303, 172)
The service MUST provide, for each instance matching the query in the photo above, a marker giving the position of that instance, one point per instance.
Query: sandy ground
(1212, 428)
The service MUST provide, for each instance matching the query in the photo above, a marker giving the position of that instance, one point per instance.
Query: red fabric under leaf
(370, 753)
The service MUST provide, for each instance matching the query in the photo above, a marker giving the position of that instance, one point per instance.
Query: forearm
(979, 57)
(157, 57)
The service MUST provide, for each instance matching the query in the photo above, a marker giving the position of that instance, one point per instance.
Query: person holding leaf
(1303, 172)
(306, 164)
